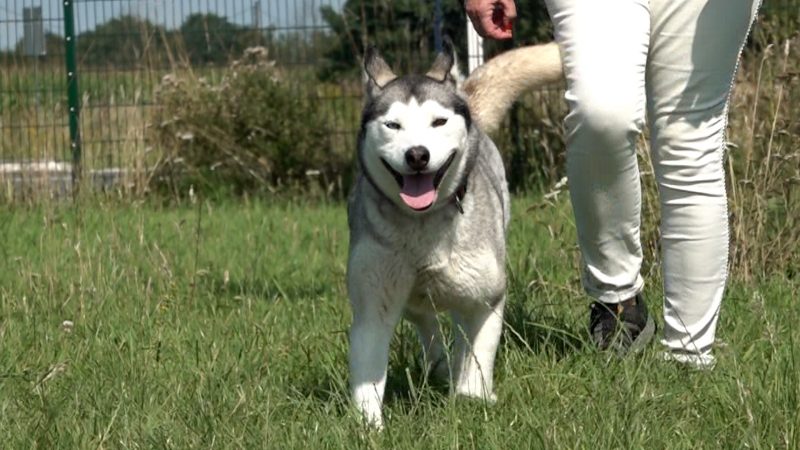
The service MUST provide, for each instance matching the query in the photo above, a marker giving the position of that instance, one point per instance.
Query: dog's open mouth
(419, 190)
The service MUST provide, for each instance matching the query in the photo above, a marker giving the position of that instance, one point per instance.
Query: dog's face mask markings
(412, 137)
(411, 149)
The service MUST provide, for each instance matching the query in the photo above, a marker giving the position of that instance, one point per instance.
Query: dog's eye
(438, 122)
(392, 125)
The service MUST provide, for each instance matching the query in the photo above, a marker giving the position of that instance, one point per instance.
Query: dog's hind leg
(477, 335)
(434, 353)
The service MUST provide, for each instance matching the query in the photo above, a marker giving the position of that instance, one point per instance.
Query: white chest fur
(448, 267)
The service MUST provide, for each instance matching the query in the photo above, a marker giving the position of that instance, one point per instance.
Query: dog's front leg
(378, 292)
(478, 333)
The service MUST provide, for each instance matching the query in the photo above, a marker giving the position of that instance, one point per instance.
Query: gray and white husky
(428, 219)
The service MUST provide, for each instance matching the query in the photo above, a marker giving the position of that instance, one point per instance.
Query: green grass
(224, 326)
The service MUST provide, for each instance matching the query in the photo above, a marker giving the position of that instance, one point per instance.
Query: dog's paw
(373, 421)
(368, 405)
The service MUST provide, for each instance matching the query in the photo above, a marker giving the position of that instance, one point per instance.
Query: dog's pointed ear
(377, 73)
(443, 65)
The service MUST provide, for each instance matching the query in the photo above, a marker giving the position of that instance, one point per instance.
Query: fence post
(474, 48)
(73, 94)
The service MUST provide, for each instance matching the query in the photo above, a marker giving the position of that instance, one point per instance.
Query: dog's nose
(417, 158)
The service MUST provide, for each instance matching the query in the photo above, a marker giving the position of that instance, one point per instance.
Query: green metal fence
(78, 78)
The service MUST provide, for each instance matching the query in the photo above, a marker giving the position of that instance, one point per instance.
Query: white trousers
(672, 61)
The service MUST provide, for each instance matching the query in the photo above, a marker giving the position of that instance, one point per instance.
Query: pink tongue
(418, 191)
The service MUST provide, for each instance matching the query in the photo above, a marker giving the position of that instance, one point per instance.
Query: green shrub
(249, 131)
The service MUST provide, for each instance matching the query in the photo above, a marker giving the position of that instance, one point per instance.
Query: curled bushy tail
(493, 87)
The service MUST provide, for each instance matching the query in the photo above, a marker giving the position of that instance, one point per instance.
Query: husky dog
(428, 219)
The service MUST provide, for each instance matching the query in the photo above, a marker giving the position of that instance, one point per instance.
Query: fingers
(492, 18)
(510, 9)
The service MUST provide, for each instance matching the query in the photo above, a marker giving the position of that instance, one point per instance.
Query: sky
(170, 13)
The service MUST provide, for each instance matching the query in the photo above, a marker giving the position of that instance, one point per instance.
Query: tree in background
(129, 41)
(212, 39)
(403, 30)
(125, 41)
(296, 48)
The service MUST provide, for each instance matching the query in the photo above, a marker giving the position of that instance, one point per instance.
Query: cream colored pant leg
(675, 59)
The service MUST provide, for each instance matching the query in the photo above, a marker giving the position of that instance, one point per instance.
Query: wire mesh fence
(125, 48)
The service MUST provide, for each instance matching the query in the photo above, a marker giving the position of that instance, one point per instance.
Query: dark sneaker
(623, 327)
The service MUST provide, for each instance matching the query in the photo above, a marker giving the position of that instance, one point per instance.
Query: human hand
(492, 18)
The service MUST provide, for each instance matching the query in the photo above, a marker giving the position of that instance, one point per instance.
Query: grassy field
(224, 326)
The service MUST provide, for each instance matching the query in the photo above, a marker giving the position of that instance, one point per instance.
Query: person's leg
(604, 48)
(694, 51)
